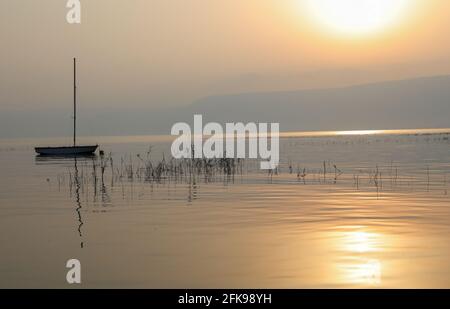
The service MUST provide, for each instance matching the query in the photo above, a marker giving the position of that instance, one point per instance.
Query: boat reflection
(68, 160)
(71, 161)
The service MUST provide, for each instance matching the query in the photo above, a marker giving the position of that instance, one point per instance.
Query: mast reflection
(77, 200)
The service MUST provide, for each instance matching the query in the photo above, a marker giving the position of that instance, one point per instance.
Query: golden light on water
(362, 271)
(360, 241)
(359, 132)
(357, 17)
(359, 264)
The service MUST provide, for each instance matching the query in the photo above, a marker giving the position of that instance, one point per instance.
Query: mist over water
(366, 210)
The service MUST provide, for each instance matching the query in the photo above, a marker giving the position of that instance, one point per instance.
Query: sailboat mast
(74, 102)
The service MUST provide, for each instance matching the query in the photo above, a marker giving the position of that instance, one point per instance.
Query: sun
(357, 17)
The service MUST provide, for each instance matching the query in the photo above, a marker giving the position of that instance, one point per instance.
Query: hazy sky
(150, 53)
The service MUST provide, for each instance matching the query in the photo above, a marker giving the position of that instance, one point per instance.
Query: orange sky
(172, 52)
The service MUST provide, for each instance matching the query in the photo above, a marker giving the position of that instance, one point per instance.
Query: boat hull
(66, 151)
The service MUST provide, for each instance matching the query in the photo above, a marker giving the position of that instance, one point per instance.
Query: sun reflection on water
(361, 271)
(360, 132)
(360, 241)
(357, 264)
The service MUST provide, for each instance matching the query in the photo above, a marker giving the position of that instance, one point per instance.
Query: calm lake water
(345, 209)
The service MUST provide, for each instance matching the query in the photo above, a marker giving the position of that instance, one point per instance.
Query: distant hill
(416, 103)
(403, 104)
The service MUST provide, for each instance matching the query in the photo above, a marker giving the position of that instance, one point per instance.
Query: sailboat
(73, 150)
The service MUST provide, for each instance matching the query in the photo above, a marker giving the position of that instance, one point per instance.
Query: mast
(74, 102)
